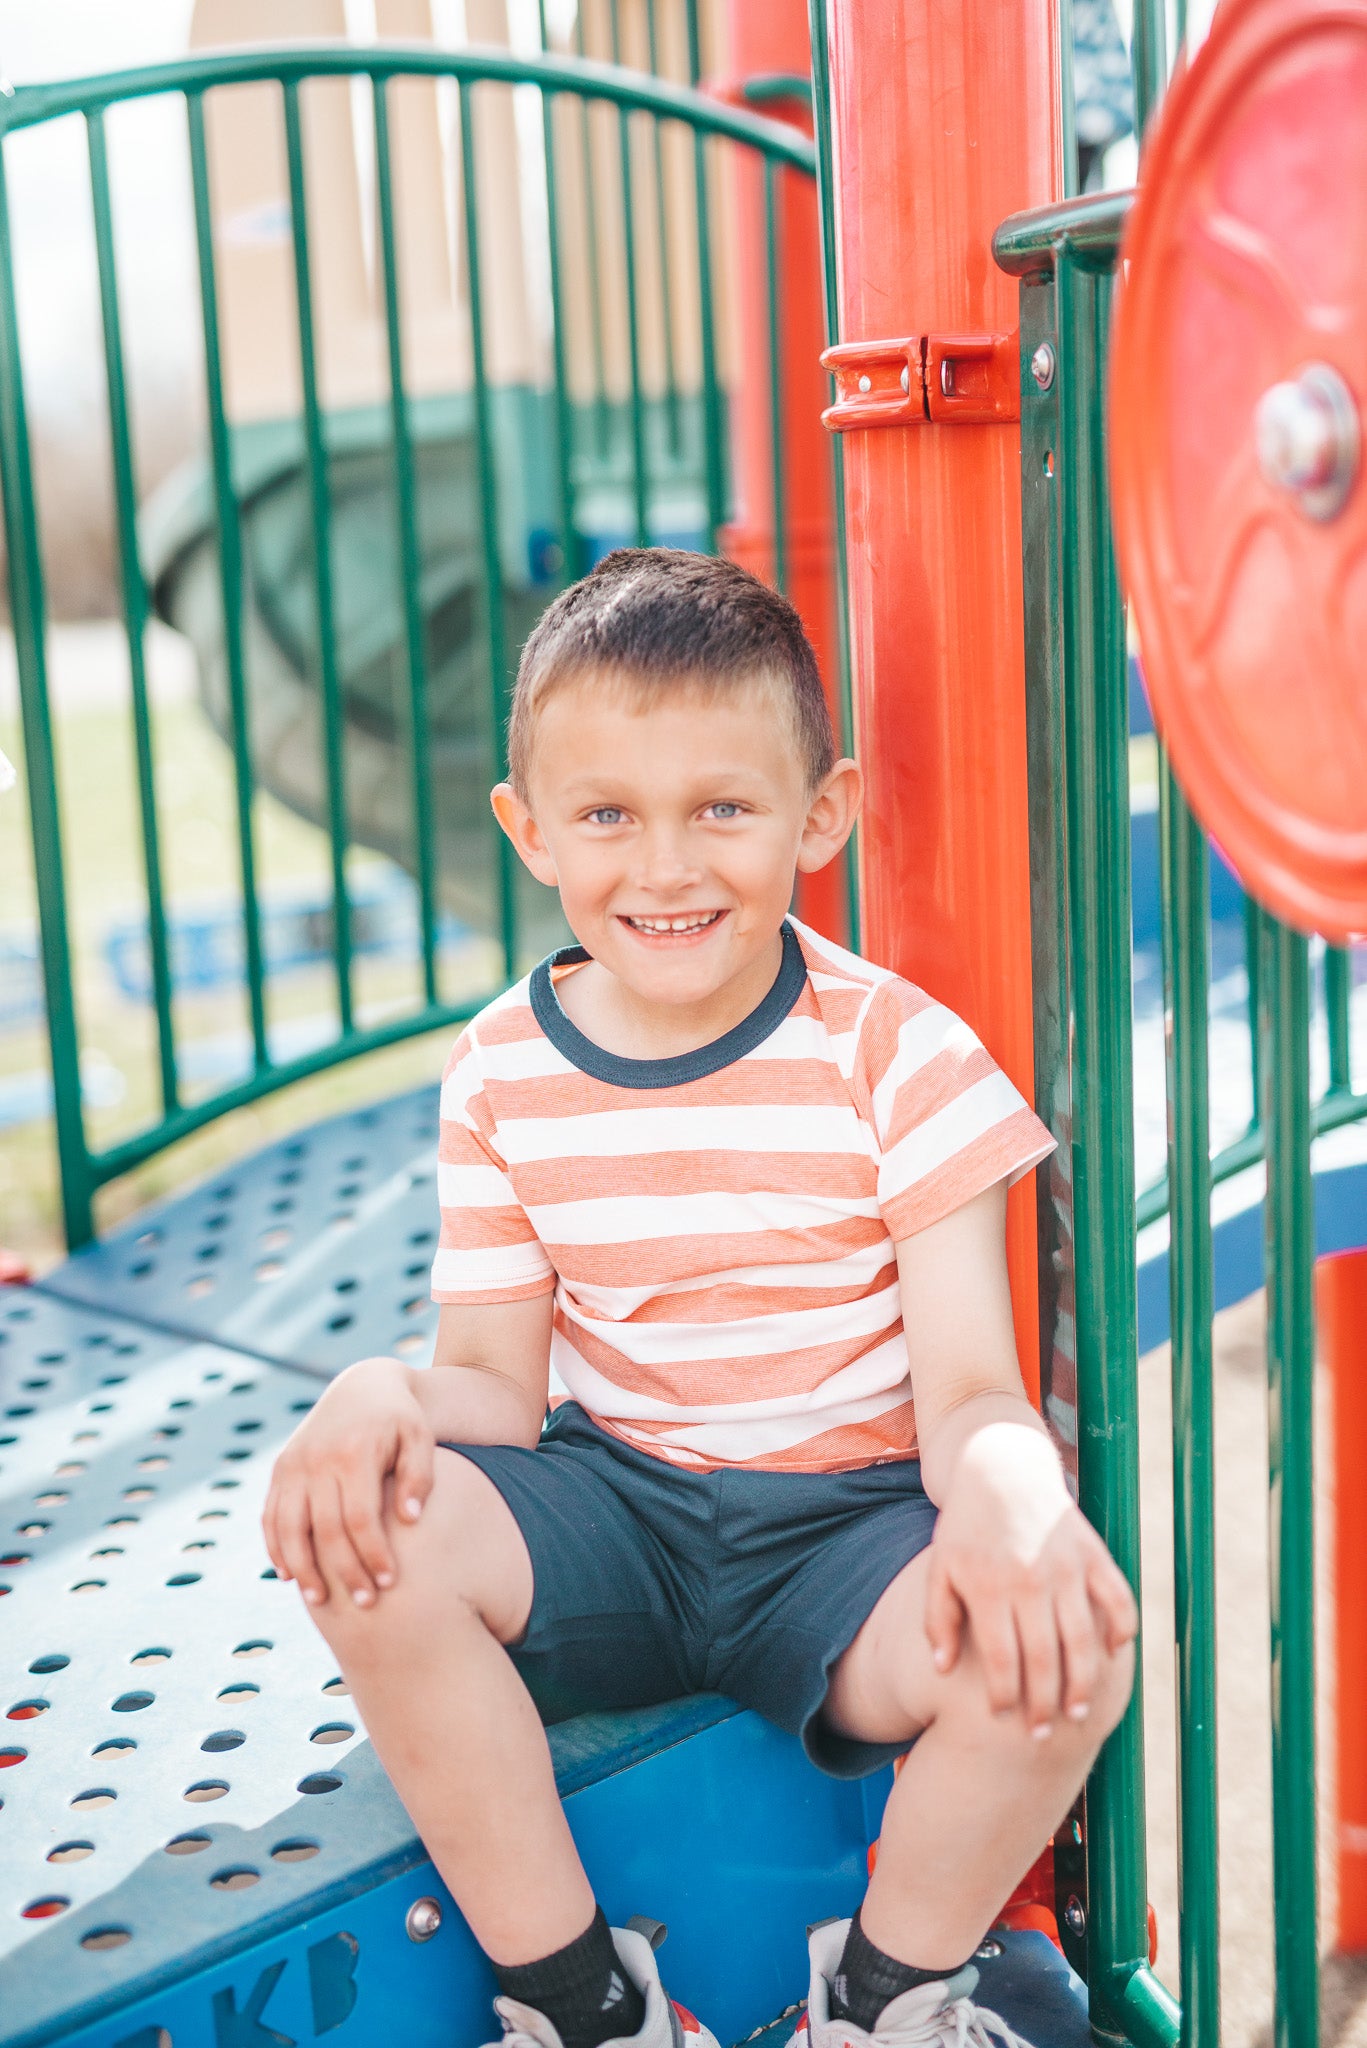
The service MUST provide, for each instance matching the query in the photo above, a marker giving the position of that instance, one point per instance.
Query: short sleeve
(488, 1251)
(948, 1122)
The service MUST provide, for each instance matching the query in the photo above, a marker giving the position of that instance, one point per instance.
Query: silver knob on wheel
(1309, 439)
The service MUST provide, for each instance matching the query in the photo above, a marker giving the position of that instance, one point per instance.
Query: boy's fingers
(1081, 1651)
(1037, 1627)
(994, 1632)
(360, 1515)
(413, 1473)
(336, 1553)
(944, 1618)
(1110, 1589)
(293, 1526)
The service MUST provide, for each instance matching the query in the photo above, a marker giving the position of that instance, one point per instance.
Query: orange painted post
(770, 43)
(1341, 1305)
(945, 119)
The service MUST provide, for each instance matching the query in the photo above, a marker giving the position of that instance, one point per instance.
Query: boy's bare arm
(1013, 1562)
(378, 1424)
(491, 1371)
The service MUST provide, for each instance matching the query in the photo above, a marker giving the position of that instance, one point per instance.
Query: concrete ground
(1244, 1683)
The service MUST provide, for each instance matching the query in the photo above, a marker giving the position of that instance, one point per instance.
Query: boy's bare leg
(978, 1796)
(453, 1724)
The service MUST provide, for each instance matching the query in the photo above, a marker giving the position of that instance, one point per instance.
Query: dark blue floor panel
(314, 1252)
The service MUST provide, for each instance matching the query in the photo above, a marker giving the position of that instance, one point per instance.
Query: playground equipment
(148, 1379)
(602, 447)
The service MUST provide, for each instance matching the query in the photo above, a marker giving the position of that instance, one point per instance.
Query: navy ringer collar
(619, 1072)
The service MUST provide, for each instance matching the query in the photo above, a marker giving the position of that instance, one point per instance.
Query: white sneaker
(940, 2015)
(666, 2024)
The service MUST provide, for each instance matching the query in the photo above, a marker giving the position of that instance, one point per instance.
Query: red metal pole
(1341, 1305)
(772, 42)
(945, 119)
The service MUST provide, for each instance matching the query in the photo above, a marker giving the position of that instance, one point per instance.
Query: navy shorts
(652, 1581)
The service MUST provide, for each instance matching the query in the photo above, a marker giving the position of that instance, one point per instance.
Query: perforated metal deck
(197, 1845)
(313, 1252)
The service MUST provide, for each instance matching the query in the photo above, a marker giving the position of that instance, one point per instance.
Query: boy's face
(673, 825)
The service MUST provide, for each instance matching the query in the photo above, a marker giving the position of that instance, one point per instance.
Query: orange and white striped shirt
(719, 1229)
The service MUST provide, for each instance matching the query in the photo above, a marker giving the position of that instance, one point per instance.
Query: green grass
(106, 885)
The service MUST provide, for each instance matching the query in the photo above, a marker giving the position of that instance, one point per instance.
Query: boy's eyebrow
(600, 783)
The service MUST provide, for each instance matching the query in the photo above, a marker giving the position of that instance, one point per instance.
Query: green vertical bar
(714, 471)
(1185, 883)
(564, 425)
(662, 230)
(1148, 59)
(1253, 966)
(639, 494)
(594, 269)
(230, 574)
(830, 282)
(1338, 997)
(320, 508)
(133, 589)
(410, 559)
(28, 612)
(1290, 1257)
(1067, 98)
(1096, 754)
(488, 519)
(772, 302)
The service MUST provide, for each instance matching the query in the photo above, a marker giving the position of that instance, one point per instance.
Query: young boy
(741, 1195)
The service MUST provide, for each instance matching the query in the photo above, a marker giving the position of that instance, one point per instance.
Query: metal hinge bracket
(924, 379)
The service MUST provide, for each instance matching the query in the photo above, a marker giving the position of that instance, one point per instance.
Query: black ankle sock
(866, 1980)
(582, 1989)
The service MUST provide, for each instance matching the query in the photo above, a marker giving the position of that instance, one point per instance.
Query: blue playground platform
(199, 1849)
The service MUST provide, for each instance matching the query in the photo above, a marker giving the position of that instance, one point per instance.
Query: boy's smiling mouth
(685, 924)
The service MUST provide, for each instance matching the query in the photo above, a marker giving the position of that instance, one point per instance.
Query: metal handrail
(633, 95)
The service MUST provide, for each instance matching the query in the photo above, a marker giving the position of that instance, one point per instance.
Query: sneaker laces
(959, 2023)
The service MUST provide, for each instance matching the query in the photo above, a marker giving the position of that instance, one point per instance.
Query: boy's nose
(666, 867)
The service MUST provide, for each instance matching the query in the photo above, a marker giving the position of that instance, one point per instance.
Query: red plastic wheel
(1239, 377)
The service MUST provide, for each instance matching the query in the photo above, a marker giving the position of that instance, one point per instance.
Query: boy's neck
(621, 1021)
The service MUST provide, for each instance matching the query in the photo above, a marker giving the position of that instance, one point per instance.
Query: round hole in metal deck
(1237, 469)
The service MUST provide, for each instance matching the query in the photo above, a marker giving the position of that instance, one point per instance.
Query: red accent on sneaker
(690, 2025)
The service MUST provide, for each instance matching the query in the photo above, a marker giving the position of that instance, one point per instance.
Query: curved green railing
(634, 97)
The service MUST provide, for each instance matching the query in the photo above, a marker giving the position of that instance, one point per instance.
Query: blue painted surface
(1340, 1225)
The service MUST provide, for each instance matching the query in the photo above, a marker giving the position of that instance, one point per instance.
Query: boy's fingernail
(412, 1507)
(1042, 1730)
(1079, 1711)
(363, 1596)
(384, 1578)
(941, 1659)
(312, 1595)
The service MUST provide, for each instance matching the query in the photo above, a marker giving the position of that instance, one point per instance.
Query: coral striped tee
(719, 1229)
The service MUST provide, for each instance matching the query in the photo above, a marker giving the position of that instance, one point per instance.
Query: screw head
(1042, 365)
(1308, 439)
(987, 1950)
(906, 379)
(866, 382)
(1075, 1915)
(422, 1919)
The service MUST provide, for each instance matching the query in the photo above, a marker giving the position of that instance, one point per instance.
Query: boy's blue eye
(606, 814)
(725, 810)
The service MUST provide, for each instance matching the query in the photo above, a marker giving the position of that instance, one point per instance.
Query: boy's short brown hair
(659, 617)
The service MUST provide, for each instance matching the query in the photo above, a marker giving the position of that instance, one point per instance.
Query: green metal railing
(636, 99)
(1077, 684)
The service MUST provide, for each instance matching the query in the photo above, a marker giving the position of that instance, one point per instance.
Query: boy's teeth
(673, 924)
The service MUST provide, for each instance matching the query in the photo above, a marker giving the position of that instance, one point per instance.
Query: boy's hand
(323, 1520)
(1015, 1563)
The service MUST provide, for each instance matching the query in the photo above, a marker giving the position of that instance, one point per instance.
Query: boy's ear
(522, 828)
(830, 816)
